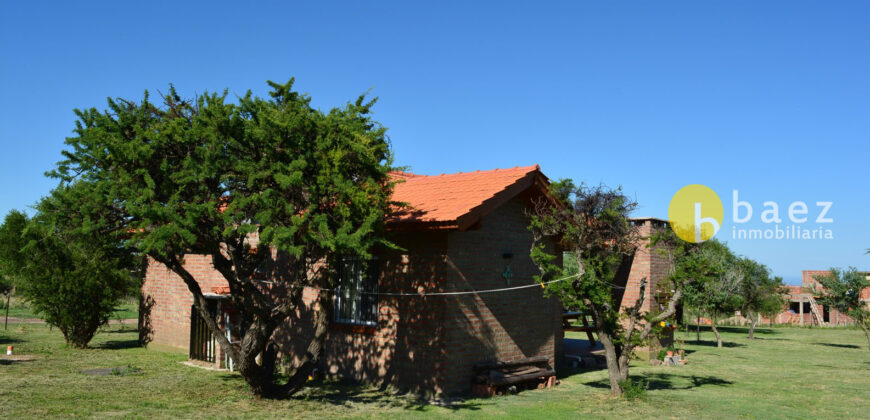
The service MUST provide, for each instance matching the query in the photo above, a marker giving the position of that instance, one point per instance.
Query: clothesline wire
(466, 292)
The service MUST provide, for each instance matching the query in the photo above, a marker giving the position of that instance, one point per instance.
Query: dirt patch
(15, 358)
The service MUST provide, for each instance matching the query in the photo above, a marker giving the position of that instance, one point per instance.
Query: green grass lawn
(784, 373)
(127, 309)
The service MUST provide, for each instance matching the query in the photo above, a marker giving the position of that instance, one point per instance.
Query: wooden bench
(499, 377)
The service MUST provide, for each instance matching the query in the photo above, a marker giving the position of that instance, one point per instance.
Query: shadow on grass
(842, 346)
(118, 344)
(664, 381)
(773, 339)
(708, 343)
(119, 329)
(342, 393)
(8, 340)
(6, 362)
(736, 330)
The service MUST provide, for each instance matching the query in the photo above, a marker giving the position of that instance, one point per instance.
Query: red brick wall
(646, 263)
(504, 325)
(405, 350)
(640, 269)
(167, 300)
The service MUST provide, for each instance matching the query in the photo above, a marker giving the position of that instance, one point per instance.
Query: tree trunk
(312, 356)
(716, 332)
(618, 358)
(6, 324)
(753, 321)
(698, 329)
(614, 373)
(258, 376)
(257, 338)
(261, 377)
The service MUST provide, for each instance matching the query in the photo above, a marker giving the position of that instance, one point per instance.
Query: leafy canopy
(759, 290)
(593, 226)
(190, 175)
(716, 291)
(841, 289)
(11, 242)
(73, 271)
(270, 187)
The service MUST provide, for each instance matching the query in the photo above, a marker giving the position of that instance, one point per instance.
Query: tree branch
(172, 262)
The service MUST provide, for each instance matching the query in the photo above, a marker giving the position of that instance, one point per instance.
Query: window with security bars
(356, 299)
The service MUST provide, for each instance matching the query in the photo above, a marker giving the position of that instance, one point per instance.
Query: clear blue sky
(770, 98)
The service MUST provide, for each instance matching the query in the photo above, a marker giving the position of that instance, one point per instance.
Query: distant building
(803, 309)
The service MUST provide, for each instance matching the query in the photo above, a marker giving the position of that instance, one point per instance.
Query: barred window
(356, 299)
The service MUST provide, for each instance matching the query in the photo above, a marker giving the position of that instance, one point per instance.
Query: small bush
(71, 270)
(634, 390)
(662, 354)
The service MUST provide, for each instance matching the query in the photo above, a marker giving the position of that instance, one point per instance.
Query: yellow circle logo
(695, 213)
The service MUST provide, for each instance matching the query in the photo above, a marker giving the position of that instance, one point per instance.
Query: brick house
(802, 309)
(463, 232)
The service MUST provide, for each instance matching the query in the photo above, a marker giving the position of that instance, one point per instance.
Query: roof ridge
(528, 168)
(460, 198)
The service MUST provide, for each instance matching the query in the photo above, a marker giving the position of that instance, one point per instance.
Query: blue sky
(770, 99)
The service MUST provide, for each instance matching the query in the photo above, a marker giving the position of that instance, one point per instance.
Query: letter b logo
(695, 213)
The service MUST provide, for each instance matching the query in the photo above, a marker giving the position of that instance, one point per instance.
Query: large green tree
(593, 226)
(11, 259)
(841, 289)
(716, 296)
(760, 292)
(237, 181)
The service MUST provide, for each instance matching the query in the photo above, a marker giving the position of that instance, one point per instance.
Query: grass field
(784, 373)
(128, 309)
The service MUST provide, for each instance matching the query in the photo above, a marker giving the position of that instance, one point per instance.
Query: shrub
(662, 354)
(634, 389)
(70, 283)
(73, 269)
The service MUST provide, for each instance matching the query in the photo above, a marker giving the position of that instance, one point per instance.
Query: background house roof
(457, 201)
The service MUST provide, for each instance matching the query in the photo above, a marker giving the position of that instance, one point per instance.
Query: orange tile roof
(458, 200)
